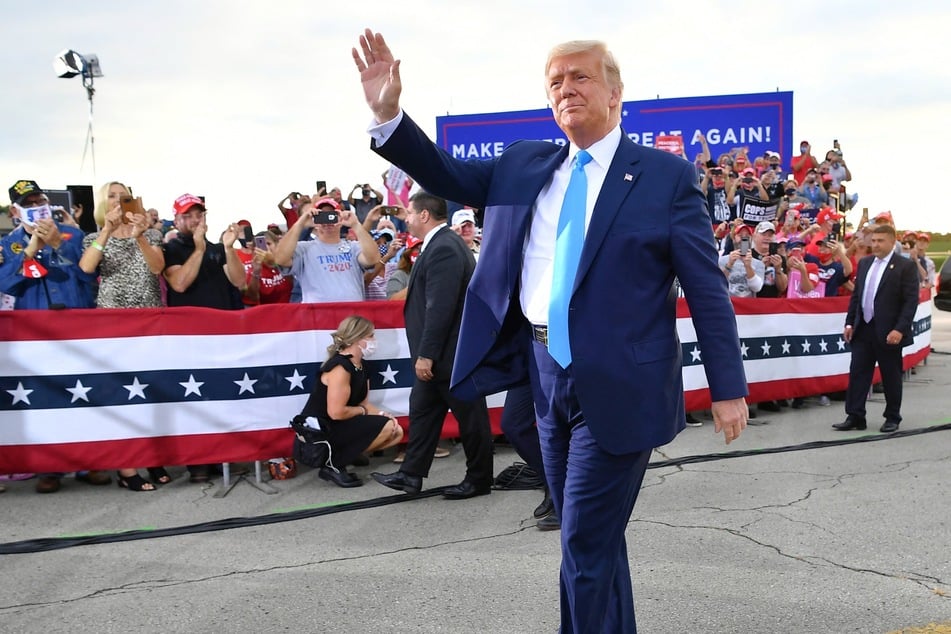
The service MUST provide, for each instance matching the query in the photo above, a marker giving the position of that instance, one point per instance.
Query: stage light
(68, 64)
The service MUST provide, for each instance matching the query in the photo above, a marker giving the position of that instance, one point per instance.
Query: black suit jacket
(896, 299)
(434, 300)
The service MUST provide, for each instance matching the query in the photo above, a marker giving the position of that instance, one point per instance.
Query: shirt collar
(602, 152)
(429, 236)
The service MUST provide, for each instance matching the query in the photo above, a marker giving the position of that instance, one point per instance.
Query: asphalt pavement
(825, 538)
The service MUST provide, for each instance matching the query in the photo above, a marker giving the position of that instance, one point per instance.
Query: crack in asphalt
(811, 560)
(157, 584)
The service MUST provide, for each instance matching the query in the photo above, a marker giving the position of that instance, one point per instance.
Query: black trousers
(429, 402)
(867, 349)
(518, 425)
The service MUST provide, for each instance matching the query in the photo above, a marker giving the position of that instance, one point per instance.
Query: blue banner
(759, 121)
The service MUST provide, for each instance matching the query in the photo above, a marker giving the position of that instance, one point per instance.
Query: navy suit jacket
(896, 298)
(649, 224)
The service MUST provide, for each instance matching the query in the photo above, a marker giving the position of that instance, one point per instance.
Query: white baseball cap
(463, 215)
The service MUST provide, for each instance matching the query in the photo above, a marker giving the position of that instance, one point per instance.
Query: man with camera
(328, 269)
(713, 186)
(369, 198)
(744, 273)
(812, 190)
(766, 251)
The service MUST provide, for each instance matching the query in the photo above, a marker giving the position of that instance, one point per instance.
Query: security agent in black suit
(433, 312)
(878, 326)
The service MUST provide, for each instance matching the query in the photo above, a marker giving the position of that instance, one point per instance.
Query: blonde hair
(102, 202)
(351, 330)
(611, 69)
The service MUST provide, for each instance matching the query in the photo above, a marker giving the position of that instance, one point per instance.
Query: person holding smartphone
(766, 250)
(267, 283)
(743, 272)
(127, 255)
(328, 269)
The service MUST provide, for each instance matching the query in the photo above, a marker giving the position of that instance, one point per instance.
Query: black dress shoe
(399, 481)
(465, 490)
(361, 461)
(340, 478)
(550, 523)
(889, 427)
(850, 423)
(546, 508)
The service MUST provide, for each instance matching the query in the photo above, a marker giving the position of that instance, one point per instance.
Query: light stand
(68, 64)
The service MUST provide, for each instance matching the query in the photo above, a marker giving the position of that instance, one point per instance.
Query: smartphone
(773, 248)
(390, 210)
(248, 234)
(128, 203)
(321, 187)
(796, 252)
(326, 218)
(744, 245)
(260, 242)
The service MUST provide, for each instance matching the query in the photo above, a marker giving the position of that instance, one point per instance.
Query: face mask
(31, 215)
(368, 347)
(790, 192)
(803, 149)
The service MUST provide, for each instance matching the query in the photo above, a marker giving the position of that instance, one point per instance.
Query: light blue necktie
(567, 256)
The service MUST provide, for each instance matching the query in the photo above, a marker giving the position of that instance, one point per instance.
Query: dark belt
(540, 334)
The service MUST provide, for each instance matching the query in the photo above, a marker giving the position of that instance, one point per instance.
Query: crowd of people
(329, 248)
(333, 250)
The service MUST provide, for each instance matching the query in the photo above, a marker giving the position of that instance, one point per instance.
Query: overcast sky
(244, 102)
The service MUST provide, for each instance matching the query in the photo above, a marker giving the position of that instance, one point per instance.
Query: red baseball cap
(185, 202)
(327, 201)
(826, 214)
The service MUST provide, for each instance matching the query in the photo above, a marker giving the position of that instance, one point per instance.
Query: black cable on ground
(56, 543)
(820, 444)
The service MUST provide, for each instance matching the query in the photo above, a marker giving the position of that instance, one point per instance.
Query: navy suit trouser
(594, 494)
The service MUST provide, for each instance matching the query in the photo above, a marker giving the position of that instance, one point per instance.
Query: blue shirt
(65, 284)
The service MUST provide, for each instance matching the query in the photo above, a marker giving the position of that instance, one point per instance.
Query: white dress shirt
(876, 269)
(539, 251)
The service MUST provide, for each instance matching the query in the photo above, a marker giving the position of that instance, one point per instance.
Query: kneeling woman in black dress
(339, 402)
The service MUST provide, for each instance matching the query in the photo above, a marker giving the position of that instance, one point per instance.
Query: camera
(326, 217)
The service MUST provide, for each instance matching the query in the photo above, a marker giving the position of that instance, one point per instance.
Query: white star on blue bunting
(136, 389)
(296, 380)
(192, 386)
(246, 384)
(79, 392)
(389, 375)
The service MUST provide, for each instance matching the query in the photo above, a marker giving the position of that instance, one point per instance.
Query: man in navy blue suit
(619, 392)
